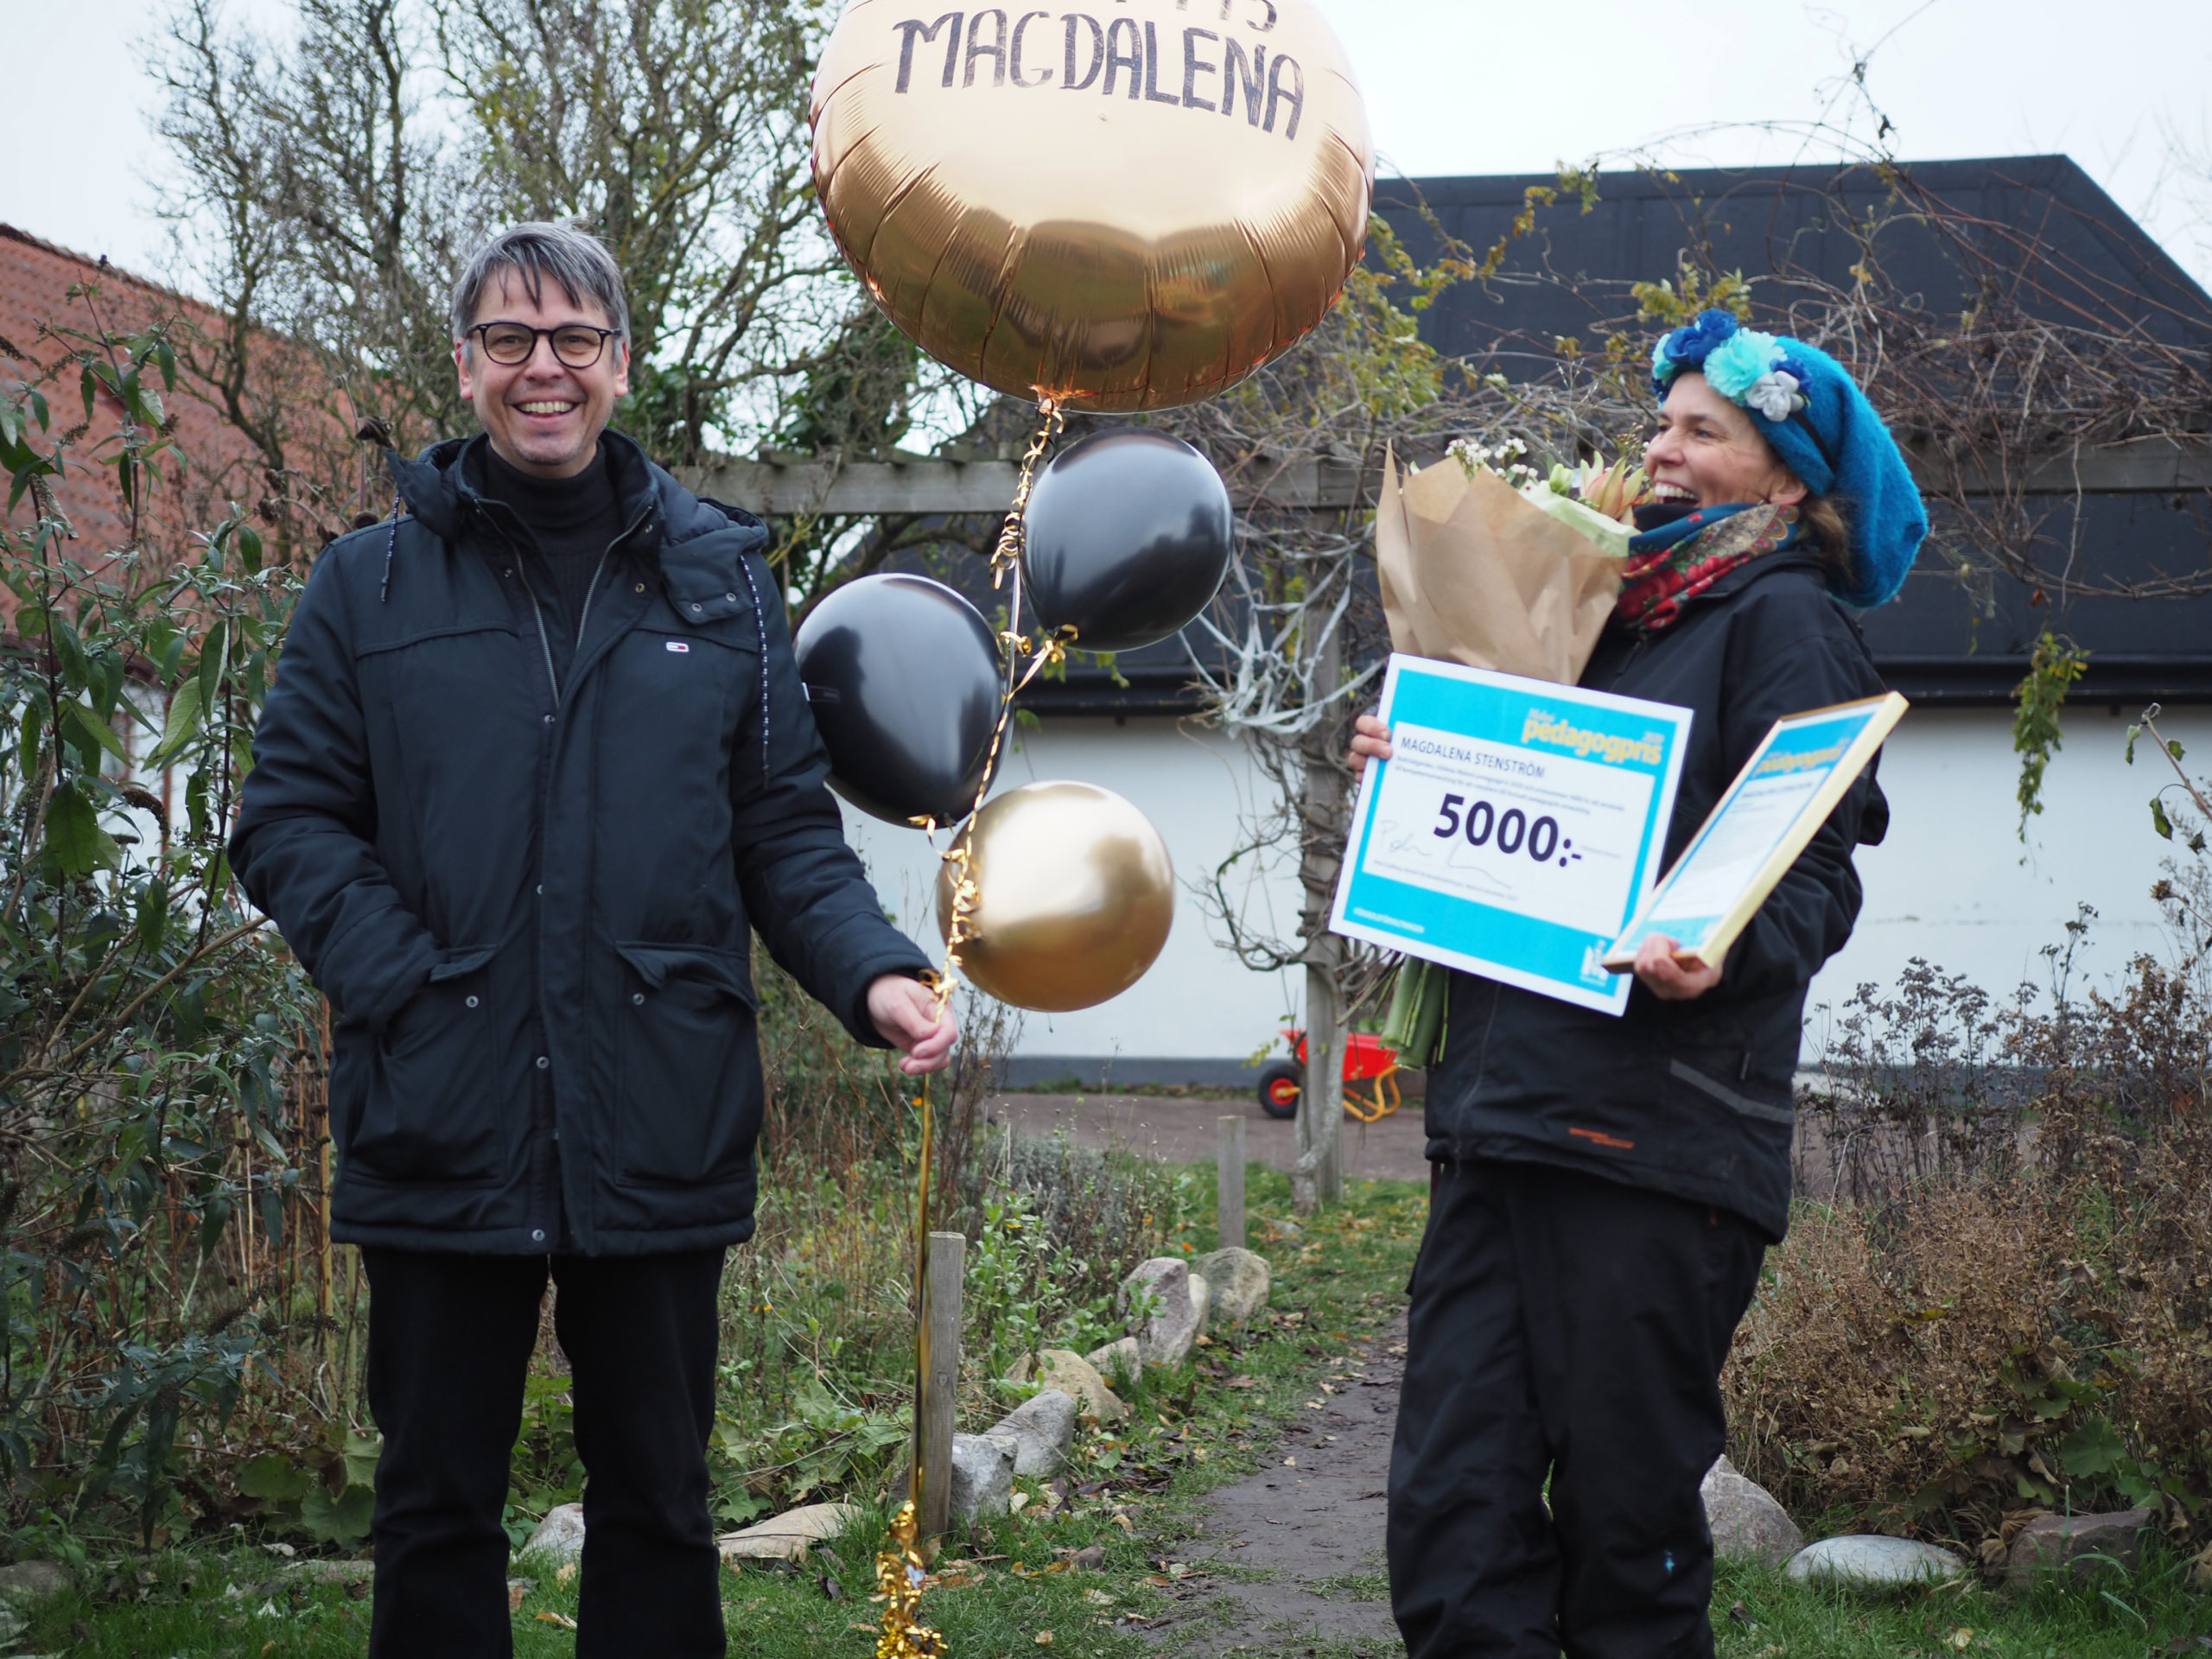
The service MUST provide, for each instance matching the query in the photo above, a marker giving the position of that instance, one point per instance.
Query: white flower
(1775, 395)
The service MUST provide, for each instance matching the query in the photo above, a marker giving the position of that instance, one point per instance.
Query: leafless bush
(2008, 1308)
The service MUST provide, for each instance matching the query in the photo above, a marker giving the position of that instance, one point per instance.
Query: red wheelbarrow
(1367, 1059)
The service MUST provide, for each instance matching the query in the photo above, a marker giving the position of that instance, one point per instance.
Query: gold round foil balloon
(1125, 204)
(1075, 895)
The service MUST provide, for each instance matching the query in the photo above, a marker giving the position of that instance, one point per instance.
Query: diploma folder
(1770, 813)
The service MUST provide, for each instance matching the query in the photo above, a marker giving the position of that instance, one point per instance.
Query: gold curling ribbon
(901, 1573)
(1006, 562)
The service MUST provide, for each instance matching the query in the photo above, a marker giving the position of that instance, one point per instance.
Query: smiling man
(536, 766)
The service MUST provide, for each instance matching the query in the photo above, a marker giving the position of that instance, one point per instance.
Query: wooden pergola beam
(928, 487)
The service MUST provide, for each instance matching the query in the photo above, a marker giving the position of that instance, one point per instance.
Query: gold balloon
(1128, 206)
(1075, 895)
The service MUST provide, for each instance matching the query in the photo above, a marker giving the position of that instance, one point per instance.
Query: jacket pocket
(690, 1092)
(431, 1112)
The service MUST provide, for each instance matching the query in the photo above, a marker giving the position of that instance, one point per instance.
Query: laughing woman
(1605, 1189)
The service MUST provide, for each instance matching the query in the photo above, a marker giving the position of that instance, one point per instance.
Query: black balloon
(1130, 535)
(905, 681)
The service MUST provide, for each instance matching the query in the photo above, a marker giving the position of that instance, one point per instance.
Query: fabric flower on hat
(1742, 362)
(1688, 348)
(1775, 395)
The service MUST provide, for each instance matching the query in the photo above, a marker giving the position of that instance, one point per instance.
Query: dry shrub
(2007, 1307)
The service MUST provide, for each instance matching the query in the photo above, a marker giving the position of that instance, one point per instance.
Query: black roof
(2071, 252)
(2038, 227)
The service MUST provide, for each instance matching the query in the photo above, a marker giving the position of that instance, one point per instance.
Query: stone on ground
(1042, 1428)
(560, 1535)
(1745, 1519)
(1117, 1361)
(2072, 1542)
(32, 1582)
(1077, 1378)
(1201, 1298)
(1239, 1280)
(982, 1476)
(1869, 1561)
(788, 1535)
(1167, 1337)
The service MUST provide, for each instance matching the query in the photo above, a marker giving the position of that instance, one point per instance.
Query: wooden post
(1229, 1184)
(321, 1116)
(1319, 1176)
(941, 1386)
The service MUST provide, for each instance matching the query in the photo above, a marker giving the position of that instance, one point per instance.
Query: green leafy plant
(154, 1040)
(2161, 820)
(2053, 669)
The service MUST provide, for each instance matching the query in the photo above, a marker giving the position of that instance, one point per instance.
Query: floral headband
(1744, 366)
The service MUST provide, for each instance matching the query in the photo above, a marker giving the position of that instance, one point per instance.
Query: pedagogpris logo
(1542, 726)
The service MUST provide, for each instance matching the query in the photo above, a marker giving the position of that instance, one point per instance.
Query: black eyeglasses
(575, 344)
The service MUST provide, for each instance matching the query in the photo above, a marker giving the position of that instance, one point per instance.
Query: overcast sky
(1455, 87)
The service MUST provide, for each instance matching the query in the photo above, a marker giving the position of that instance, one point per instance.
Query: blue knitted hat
(1821, 424)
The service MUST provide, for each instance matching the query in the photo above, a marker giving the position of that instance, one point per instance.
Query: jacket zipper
(591, 593)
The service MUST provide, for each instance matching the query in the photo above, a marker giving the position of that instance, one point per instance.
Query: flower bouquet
(1491, 565)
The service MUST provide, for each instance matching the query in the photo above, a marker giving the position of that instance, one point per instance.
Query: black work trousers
(1569, 1329)
(449, 1344)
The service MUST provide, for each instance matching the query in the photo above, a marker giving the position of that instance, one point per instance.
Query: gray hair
(574, 259)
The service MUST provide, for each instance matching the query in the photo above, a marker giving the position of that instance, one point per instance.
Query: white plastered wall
(1953, 883)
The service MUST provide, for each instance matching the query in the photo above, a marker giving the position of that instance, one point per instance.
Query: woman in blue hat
(1605, 1189)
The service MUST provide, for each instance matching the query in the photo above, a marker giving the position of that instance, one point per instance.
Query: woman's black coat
(532, 913)
(1690, 1098)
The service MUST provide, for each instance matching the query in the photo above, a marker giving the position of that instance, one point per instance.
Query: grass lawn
(1006, 1590)
(2123, 1616)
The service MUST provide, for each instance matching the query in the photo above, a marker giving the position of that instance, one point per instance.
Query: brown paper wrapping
(1471, 574)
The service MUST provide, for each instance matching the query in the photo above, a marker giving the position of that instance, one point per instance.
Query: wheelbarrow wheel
(1280, 1084)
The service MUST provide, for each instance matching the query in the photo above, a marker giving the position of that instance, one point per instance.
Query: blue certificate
(1517, 828)
(1755, 832)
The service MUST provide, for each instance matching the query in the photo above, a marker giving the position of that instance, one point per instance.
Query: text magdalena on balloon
(1119, 58)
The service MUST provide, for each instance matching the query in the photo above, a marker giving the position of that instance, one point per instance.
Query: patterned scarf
(1673, 562)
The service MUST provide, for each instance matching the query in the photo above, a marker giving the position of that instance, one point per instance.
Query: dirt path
(1185, 1131)
(1295, 1553)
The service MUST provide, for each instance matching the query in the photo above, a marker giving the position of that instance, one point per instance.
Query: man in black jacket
(536, 764)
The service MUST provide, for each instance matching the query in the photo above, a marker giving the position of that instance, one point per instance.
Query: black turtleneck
(574, 521)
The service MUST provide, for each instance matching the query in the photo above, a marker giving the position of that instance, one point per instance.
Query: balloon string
(1015, 533)
(901, 1574)
(900, 1571)
(1026, 660)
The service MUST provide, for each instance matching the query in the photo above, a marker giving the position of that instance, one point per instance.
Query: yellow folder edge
(1890, 710)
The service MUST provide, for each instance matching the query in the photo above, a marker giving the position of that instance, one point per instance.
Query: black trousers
(1568, 1329)
(449, 1344)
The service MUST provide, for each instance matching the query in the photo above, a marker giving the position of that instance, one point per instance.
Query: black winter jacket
(1690, 1098)
(531, 912)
